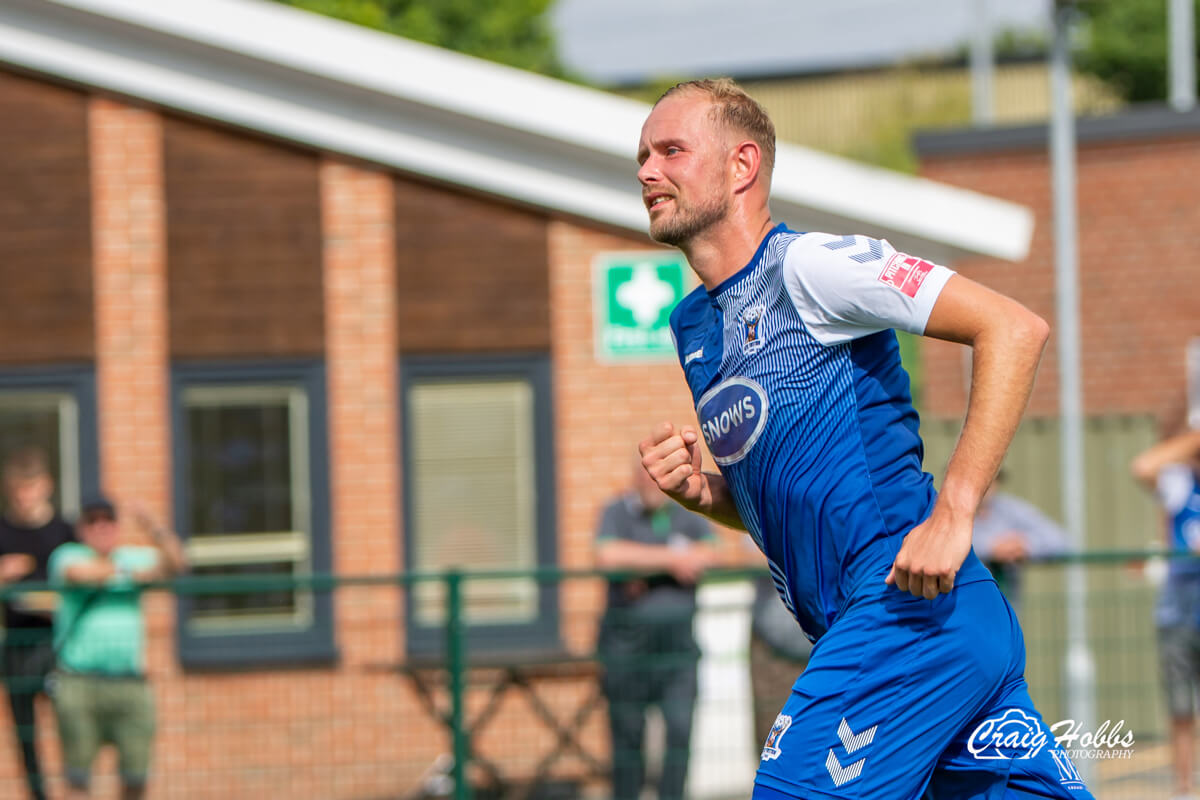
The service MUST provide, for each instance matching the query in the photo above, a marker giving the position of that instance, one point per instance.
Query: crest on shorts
(753, 335)
(771, 748)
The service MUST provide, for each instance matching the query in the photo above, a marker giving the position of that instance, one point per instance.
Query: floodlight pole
(1080, 672)
(983, 67)
(1181, 22)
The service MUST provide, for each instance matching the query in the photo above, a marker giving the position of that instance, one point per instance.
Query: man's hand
(15, 566)
(672, 458)
(688, 565)
(1009, 548)
(931, 555)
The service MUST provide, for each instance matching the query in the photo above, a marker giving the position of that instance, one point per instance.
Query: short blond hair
(26, 463)
(737, 110)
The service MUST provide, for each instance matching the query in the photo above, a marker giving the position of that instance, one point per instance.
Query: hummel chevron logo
(854, 742)
(842, 774)
(874, 251)
(838, 244)
(851, 741)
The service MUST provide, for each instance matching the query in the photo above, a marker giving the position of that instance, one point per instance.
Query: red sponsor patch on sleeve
(905, 273)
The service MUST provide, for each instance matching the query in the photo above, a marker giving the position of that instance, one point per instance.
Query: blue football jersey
(1179, 492)
(801, 398)
(1179, 600)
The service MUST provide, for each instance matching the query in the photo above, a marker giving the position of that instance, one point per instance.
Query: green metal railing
(1120, 599)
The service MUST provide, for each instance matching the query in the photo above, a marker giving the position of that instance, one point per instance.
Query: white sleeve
(847, 287)
(1174, 485)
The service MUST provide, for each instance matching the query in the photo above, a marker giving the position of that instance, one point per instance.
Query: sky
(626, 41)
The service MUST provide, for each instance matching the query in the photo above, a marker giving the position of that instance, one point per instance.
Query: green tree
(1125, 44)
(513, 32)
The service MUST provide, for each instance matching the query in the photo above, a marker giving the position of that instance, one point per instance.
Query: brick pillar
(128, 223)
(129, 272)
(358, 213)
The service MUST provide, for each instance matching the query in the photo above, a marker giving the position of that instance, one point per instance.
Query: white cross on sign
(631, 294)
(646, 296)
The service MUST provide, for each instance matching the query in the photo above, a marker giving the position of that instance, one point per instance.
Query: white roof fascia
(347, 89)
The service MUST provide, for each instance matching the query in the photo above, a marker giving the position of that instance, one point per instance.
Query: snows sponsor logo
(732, 417)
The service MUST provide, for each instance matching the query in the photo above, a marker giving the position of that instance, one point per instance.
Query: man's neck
(720, 252)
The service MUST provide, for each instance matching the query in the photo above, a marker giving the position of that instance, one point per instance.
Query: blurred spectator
(779, 652)
(1171, 469)
(30, 529)
(646, 643)
(1009, 532)
(101, 695)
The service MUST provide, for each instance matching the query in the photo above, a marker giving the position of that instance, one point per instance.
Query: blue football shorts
(911, 699)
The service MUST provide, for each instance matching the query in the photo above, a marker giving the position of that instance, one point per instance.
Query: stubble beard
(680, 228)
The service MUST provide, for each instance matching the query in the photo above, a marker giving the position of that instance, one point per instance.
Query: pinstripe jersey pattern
(818, 441)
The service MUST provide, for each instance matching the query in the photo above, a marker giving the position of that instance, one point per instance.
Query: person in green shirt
(101, 695)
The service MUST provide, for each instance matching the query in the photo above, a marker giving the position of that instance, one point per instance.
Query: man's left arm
(1044, 537)
(172, 560)
(1007, 341)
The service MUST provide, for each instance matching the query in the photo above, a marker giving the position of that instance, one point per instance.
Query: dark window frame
(79, 381)
(543, 632)
(315, 644)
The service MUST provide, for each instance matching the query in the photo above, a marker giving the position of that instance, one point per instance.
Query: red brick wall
(1139, 230)
(357, 215)
(130, 304)
(601, 411)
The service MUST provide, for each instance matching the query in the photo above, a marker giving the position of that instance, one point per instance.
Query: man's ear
(744, 164)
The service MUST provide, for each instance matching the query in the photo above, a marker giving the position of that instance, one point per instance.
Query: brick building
(1139, 222)
(323, 298)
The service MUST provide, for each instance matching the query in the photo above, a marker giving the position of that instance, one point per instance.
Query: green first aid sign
(634, 294)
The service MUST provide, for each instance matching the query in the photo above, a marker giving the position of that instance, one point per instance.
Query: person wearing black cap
(30, 530)
(101, 695)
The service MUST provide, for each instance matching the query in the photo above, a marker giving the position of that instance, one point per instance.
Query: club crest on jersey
(771, 748)
(753, 334)
(732, 417)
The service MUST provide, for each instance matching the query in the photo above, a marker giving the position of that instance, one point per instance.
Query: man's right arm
(614, 552)
(89, 572)
(673, 459)
(71, 566)
(1176, 450)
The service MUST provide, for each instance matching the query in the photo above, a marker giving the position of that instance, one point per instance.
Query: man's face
(99, 530)
(647, 490)
(25, 495)
(683, 156)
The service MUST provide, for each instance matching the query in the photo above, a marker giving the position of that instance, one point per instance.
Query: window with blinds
(473, 493)
(477, 442)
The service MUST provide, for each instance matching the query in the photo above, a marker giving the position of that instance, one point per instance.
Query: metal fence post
(455, 663)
